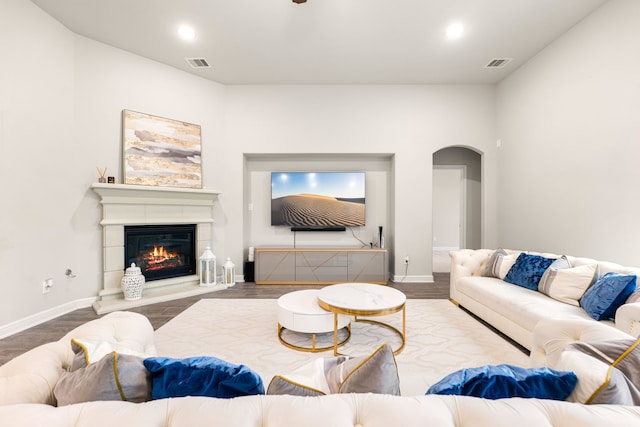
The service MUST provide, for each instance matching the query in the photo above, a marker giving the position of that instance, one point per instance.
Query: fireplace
(161, 251)
(145, 206)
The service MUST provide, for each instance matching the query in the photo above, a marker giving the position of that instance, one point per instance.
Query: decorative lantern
(207, 268)
(229, 273)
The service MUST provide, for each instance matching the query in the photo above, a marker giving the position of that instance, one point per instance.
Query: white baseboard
(401, 278)
(44, 316)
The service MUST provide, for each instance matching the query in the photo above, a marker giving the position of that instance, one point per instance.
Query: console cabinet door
(321, 266)
(275, 266)
(368, 267)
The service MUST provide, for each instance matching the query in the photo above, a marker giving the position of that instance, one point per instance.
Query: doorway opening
(456, 203)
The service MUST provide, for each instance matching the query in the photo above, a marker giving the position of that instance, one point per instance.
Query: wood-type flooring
(160, 313)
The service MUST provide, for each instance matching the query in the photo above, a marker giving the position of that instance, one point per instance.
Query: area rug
(441, 338)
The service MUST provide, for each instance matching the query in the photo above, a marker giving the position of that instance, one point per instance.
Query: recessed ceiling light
(186, 32)
(455, 31)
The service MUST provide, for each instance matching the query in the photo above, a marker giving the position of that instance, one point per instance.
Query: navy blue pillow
(201, 376)
(528, 270)
(504, 381)
(604, 297)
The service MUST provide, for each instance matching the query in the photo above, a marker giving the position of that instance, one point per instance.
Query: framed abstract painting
(160, 152)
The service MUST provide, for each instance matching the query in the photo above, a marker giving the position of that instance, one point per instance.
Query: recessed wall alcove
(257, 229)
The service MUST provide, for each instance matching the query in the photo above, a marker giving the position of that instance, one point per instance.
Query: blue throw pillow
(528, 270)
(504, 381)
(604, 297)
(201, 376)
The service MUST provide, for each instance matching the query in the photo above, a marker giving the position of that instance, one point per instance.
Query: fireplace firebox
(161, 251)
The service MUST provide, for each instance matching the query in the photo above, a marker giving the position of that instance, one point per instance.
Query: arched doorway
(456, 204)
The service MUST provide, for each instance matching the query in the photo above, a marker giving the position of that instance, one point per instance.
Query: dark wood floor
(161, 313)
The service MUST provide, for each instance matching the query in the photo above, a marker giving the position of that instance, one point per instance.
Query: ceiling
(328, 41)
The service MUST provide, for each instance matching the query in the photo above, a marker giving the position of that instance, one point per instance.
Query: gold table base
(355, 313)
(313, 348)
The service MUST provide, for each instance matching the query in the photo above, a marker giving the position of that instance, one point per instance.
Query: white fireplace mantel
(124, 205)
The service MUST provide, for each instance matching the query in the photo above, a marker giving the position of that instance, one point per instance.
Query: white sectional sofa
(27, 399)
(514, 310)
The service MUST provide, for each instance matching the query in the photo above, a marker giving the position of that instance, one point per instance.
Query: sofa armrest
(628, 318)
(31, 377)
(466, 262)
(551, 336)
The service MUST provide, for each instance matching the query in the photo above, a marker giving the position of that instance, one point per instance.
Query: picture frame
(160, 152)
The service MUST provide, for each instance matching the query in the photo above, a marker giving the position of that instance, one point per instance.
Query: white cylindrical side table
(299, 311)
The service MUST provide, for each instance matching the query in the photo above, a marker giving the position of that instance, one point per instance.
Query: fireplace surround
(126, 206)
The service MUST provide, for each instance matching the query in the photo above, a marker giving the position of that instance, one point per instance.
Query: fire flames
(159, 258)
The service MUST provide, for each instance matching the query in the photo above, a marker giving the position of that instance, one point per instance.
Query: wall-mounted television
(318, 199)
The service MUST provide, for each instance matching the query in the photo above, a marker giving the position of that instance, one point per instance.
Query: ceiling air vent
(498, 63)
(198, 62)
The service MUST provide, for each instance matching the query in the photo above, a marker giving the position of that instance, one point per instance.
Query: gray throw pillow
(376, 373)
(489, 267)
(608, 371)
(114, 377)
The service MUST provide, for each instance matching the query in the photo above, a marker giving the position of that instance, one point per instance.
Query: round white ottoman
(299, 312)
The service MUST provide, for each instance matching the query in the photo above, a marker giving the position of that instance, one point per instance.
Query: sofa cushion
(527, 270)
(515, 304)
(376, 373)
(113, 377)
(604, 297)
(568, 284)
(503, 381)
(201, 376)
(608, 371)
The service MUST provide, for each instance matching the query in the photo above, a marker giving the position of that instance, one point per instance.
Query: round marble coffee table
(363, 299)
(299, 312)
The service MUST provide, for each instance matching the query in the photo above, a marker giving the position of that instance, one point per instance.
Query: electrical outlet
(406, 259)
(46, 285)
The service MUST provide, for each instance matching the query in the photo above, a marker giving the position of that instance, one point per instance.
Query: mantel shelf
(113, 189)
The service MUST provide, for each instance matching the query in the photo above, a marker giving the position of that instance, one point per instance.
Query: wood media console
(320, 266)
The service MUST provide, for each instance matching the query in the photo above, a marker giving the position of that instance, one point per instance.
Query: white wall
(38, 171)
(411, 122)
(61, 98)
(569, 124)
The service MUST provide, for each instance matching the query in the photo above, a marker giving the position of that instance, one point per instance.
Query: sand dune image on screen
(316, 210)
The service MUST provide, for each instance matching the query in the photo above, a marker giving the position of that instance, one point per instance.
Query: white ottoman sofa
(26, 399)
(515, 311)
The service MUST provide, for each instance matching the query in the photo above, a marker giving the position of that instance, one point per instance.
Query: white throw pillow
(503, 265)
(591, 374)
(568, 284)
(90, 351)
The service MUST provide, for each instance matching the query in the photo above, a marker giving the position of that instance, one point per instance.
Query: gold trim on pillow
(84, 349)
(117, 377)
(297, 384)
(360, 365)
(611, 368)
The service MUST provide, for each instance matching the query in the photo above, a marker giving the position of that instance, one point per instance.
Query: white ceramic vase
(132, 283)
